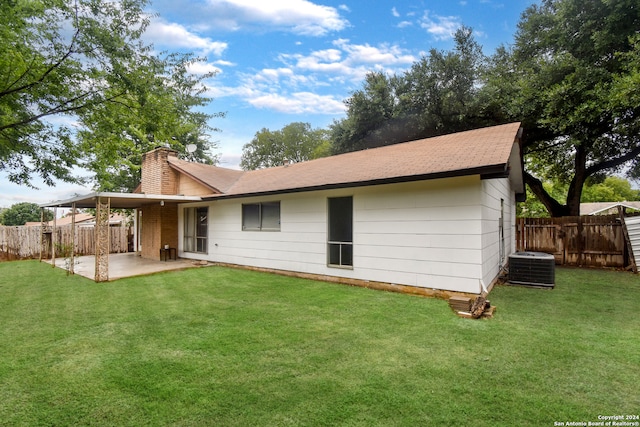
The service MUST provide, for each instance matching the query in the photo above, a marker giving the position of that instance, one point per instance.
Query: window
(195, 229)
(261, 216)
(340, 232)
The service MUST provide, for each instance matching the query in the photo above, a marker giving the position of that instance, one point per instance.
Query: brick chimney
(157, 175)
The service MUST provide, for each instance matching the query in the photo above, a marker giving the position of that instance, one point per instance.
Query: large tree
(24, 212)
(296, 142)
(156, 108)
(437, 95)
(571, 78)
(370, 116)
(65, 63)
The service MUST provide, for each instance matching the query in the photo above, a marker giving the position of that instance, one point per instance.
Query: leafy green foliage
(611, 189)
(69, 64)
(295, 142)
(156, 108)
(439, 94)
(21, 213)
(569, 78)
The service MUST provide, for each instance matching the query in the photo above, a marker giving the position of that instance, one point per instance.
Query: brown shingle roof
(480, 151)
(218, 179)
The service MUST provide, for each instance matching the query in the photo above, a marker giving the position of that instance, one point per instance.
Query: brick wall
(157, 175)
(159, 228)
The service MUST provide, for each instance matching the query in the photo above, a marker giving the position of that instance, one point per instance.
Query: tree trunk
(554, 208)
(577, 183)
(574, 193)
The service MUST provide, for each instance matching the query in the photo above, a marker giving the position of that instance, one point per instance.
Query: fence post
(580, 242)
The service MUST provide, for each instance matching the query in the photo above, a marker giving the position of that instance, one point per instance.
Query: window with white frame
(264, 216)
(340, 232)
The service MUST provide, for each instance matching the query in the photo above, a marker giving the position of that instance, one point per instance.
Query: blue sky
(284, 61)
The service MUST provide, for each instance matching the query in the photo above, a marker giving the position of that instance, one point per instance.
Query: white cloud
(383, 55)
(177, 36)
(274, 74)
(214, 90)
(224, 63)
(350, 61)
(404, 24)
(440, 27)
(300, 102)
(200, 68)
(298, 16)
(395, 12)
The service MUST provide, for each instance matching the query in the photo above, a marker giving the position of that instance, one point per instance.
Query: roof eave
(485, 172)
(119, 200)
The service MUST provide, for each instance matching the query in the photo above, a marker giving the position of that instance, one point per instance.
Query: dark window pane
(347, 255)
(271, 216)
(202, 245)
(201, 231)
(341, 219)
(251, 217)
(334, 253)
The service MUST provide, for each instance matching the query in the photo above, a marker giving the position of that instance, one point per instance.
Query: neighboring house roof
(486, 151)
(81, 219)
(114, 219)
(606, 207)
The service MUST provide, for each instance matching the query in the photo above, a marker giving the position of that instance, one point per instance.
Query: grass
(226, 347)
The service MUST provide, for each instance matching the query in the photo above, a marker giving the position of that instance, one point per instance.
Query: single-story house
(435, 213)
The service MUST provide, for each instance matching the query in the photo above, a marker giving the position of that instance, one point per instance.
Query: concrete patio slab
(126, 265)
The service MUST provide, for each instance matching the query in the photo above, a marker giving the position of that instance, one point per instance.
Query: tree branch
(613, 162)
(44, 75)
(59, 109)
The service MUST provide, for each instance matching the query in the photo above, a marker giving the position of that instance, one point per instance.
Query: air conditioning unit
(532, 269)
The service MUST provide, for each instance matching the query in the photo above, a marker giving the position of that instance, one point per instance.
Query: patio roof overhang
(103, 202)
(119, 200)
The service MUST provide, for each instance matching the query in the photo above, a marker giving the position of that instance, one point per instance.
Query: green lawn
(225, 347)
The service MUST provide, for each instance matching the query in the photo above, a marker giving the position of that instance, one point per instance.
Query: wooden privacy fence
(24, 242)
(590, 241)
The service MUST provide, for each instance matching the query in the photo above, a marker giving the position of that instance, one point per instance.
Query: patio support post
(102, 239)
(53, 238)
(73, 237)
(42, 230)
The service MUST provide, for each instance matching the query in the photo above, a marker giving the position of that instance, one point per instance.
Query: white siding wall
(428, 234)
(493, 191)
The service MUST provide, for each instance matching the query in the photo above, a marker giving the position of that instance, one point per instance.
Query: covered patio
(155, 232)
(125, 265)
